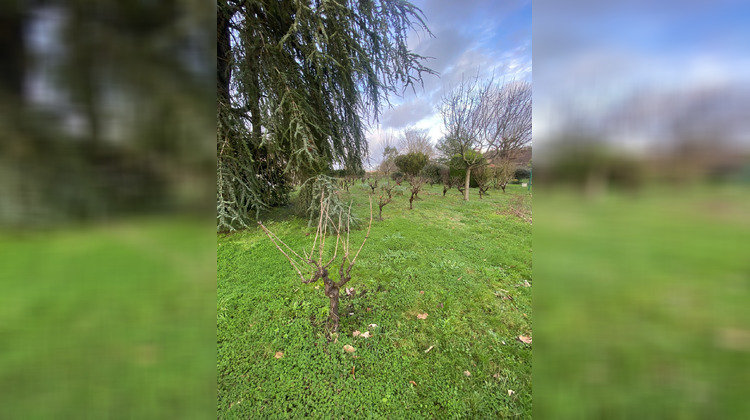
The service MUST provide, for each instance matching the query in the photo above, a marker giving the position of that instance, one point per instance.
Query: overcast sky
(649, 59)
(470, 36)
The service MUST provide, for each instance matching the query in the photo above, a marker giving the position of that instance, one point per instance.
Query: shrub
(431, 172)
(522, 173)
(411, 163)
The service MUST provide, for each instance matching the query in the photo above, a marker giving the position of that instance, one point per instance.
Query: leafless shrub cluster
(518, 206)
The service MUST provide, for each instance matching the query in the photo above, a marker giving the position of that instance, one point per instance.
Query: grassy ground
(645, 304)
(462, 263)
(108, 322)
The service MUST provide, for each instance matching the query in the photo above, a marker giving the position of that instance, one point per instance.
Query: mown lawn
(646, 302)
(108, 321)
(464, 264)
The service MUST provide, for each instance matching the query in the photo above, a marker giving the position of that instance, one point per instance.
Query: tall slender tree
(294, 80)
(465, 119)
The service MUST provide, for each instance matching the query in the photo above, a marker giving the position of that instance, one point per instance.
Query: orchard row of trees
(486, 124)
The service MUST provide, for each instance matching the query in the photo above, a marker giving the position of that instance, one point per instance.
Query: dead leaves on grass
(422, 316)
(349, 349)
(279, 354)
(524, 339)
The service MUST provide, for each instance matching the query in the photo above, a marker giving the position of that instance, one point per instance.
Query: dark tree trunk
(445, 190)
(223, 51)
(12, 52)
(333, 309)
(411, 199)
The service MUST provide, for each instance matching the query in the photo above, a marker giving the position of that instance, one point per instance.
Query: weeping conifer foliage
(294, 79)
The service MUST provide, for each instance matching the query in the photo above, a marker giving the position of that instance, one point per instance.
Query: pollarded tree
(502, 173)
(445, 178)
(416, 182)
(373, 183)
(294, 79)
(385, 197)
(482, 177)
(411, 163)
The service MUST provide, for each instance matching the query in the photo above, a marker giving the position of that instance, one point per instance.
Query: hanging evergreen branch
(295, 77)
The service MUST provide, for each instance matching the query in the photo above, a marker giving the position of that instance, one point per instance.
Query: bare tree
(318, 268)
(502, 173)
(510, 127)
(457, 182)
(465, 120)
(417, 182)
(482, 176)
(385, 197)
(373, 184)
(388, 165)
(445, 177)
(413, 140)
(485, 120)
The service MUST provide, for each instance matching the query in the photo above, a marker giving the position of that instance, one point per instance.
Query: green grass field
(646, 304)
(462, 263)
(108, 322)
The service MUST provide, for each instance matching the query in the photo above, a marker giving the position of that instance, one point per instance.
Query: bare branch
(268, 233)
(354, 260)
(338, 236)
(317, 231)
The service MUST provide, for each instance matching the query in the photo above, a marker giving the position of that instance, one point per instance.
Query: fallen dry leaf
(511, 392)
(422, 316)
(373, 325)
(467, 373)
(279, 354)
(413, 383)
(429, 349)
(366, 334)
(356, 333)
(496, 376)
(524, 339)
(526, 283)
(349, 348)
(421, 292)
